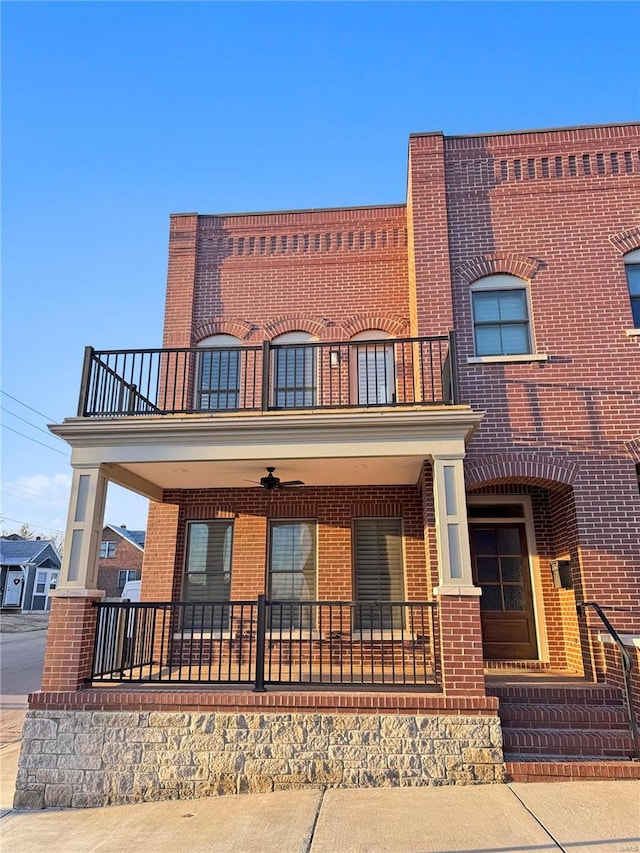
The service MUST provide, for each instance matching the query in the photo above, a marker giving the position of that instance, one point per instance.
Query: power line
(46, 417)
(30, 524)
(21, 487)
(32, 425)
(26, 499)
(48, 446)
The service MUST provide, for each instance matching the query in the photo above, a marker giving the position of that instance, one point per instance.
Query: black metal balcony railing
(398, 372)
(265, 642)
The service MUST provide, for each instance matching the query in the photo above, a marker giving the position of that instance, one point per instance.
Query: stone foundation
(97, 758)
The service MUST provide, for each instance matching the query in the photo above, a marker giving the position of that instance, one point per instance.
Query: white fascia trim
(633, 333)
(627, 639)
(124, 538)
(505, 359)
(453, 422)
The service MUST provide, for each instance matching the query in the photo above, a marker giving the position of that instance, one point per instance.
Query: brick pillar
(461, 664)
(70, 638)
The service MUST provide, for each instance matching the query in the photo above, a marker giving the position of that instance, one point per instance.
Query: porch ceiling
(149, 454)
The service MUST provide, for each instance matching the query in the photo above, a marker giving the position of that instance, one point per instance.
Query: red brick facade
(556, 209)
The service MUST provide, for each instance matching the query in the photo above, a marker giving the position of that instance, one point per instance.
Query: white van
(131, 591)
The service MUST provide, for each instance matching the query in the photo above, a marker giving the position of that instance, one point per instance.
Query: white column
(452, 532)
(85, 522)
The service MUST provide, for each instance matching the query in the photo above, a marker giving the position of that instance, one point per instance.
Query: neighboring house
(120, 558)
(391, 451)
(30, 568)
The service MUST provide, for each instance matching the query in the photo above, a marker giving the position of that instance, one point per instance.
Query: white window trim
(632, 333)
(504, 281)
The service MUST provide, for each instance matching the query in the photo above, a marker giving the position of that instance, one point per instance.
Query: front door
(13, 588)
(500, 564)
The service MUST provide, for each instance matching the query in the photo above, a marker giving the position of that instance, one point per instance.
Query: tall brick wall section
(127, 557)
(548, 206)
(428, 227)
(332, 273)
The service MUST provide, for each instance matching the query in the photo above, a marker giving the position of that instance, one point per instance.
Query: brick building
(445, 397)
(119, 559)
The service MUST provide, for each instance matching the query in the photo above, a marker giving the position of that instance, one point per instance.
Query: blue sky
(116, 114)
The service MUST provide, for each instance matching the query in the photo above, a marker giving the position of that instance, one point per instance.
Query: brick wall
(558, 209)
(252, 508)
(332, 273)
(551, 207)
(127, 556)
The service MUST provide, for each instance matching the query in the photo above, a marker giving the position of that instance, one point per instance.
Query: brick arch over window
(532, 468)
(295, 323)
(223, 326)
(506, 262)
(627, 241)
(390, 323)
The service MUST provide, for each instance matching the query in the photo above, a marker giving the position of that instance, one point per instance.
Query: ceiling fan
(270, 482)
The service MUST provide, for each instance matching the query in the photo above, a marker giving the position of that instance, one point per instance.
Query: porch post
(72, 622)
(460, 634)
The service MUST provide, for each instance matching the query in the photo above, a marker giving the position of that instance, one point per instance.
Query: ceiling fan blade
(292, 483)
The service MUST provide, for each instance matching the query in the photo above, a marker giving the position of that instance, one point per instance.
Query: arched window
(373, 369)
(501, 325)
(294, 371)
(632, 267)
(219, 373)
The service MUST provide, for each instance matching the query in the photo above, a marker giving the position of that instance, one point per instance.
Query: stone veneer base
(86, 758)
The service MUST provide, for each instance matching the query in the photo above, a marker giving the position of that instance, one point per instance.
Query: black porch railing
(265, 642)
(392, 372)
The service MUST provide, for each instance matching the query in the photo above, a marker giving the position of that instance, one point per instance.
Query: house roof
(136, 537)
(15, 552)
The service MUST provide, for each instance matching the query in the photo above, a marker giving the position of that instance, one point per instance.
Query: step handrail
(626, 667)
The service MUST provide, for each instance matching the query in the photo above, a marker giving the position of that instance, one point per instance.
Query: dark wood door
(501, 567)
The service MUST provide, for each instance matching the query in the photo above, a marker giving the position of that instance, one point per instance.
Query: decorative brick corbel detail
(509, 263)
(368, 320)
(626, 241)
(223, 326)
(532, 468)
(295, 323)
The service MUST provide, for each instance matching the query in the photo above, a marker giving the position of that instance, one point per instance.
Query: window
(632, 267)
(374, 369)
(501, 316)
(208, 572)
(107, 549)
(292, 571)
(294, 371)
(126, 575)
(379, 570)
(219, 373)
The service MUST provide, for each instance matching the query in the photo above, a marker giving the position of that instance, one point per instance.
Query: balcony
(394, 373)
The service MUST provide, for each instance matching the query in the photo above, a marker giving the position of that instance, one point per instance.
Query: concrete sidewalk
(585, 816)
